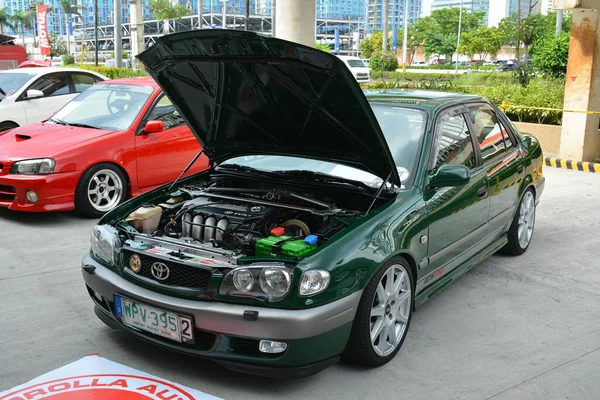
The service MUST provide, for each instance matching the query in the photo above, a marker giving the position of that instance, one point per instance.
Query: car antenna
(187, 168)
(379, 191)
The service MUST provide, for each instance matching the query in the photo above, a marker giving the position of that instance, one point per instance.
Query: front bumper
(315, 336)
(56, 192)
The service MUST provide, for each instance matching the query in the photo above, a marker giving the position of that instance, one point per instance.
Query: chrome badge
(135, 263)
(160, 271)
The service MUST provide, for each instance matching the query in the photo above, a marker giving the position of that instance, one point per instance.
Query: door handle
(482, 192)
(520, 169)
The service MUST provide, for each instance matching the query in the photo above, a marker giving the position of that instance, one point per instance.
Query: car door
(502, 160)
(57, 93)
(162, 156)
(458, 216)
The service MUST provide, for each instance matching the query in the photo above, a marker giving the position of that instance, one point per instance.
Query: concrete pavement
(513, 328)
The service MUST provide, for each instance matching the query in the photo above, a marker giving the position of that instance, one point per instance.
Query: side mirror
(448, 175)
(154, 126)
(34, 94)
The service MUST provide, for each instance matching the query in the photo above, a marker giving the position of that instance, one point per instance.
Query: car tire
(100, 189)
(376, 309)
(521, 229)
(4, 126)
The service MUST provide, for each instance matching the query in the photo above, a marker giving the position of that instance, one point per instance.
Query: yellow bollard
(504, 106)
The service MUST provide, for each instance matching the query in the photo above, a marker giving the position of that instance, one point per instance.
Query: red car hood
(43, 140)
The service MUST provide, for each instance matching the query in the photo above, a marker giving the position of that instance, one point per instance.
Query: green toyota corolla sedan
(327, 216)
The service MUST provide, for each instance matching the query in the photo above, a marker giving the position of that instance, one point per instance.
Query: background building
(395, 13)
(470, 5)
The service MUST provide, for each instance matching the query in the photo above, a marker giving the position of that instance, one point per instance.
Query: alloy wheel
(526, 220)
(390, 310)
(105, 190)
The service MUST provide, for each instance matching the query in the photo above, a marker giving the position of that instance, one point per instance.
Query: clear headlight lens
(243, 280)
(314, 281)
(104, 241)
(275, 281)
(38, 166)
(269, 282)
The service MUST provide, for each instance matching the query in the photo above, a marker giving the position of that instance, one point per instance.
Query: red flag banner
(42, 11)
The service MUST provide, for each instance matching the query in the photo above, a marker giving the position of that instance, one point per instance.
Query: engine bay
(225, 223)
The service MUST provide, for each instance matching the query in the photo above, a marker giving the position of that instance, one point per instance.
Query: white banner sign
(96, 378)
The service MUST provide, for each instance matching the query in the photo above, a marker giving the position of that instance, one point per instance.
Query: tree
(22, 20)
(414, 40)
(165, 10)
(552, 54)
(440, 29)
(5, 20)
(68, 8)
(372, 44)
(481, 41)
(58, 47)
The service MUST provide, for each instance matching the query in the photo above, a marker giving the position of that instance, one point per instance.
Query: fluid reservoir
(146, 218)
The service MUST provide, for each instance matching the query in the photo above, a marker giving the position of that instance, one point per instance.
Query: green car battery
(283, 245)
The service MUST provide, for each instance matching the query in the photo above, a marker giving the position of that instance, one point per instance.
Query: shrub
(68, 60)
(552, 54)
(114, 72)
(383, 61)
(323, 47)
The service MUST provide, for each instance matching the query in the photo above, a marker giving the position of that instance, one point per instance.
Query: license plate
(154, 320)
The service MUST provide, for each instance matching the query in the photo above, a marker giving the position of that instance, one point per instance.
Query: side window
(488, 131)
(52, 84)
(82, 81)
(165, 111)
(454, 142)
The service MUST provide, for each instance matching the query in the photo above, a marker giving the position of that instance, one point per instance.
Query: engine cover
(209, 220)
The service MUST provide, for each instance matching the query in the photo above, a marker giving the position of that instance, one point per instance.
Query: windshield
(356, 63)
(105, 106)
(10, 82)
(403, 129)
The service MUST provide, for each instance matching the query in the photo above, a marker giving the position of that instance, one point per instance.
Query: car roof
(43, 70)
(349, 58)
(140, 81)
(422, 99)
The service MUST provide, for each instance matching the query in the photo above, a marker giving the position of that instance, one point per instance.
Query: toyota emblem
(160, 271)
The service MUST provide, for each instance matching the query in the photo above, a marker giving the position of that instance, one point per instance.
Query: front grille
(7, 192)
(362, 76)
(180, 275)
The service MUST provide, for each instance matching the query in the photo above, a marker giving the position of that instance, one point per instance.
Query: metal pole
(273, 17)
(405, 38)
(117, 29)
(212, 21)
(247, 15)
(200, 16)
(384, 24)
(559, 22)
(224, 20)
(95, 31)
(459, 32)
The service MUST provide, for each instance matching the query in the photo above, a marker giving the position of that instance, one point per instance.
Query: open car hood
(242, 93)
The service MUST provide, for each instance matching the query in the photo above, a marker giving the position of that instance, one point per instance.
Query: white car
(29, 95)
(361, 72)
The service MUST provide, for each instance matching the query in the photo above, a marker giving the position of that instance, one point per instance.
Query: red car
(118, 139)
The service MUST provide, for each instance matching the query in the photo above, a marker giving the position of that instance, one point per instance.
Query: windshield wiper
(80, 125)
(324, 177)
(59, 121)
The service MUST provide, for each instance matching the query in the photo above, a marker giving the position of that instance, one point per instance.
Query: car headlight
(314, 281)
(104, 242)
(38, 166)
(269, 281)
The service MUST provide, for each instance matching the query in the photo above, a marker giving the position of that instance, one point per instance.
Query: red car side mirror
(154, 126)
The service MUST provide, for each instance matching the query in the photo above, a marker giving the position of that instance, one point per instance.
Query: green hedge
(113, 72)
(498, 88)
(451, 67)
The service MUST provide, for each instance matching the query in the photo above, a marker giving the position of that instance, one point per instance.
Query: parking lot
(514, 327)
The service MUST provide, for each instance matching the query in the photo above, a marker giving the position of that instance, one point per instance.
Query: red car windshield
(105, 106)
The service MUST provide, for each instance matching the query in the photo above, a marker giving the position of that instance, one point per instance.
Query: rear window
(356, 63)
